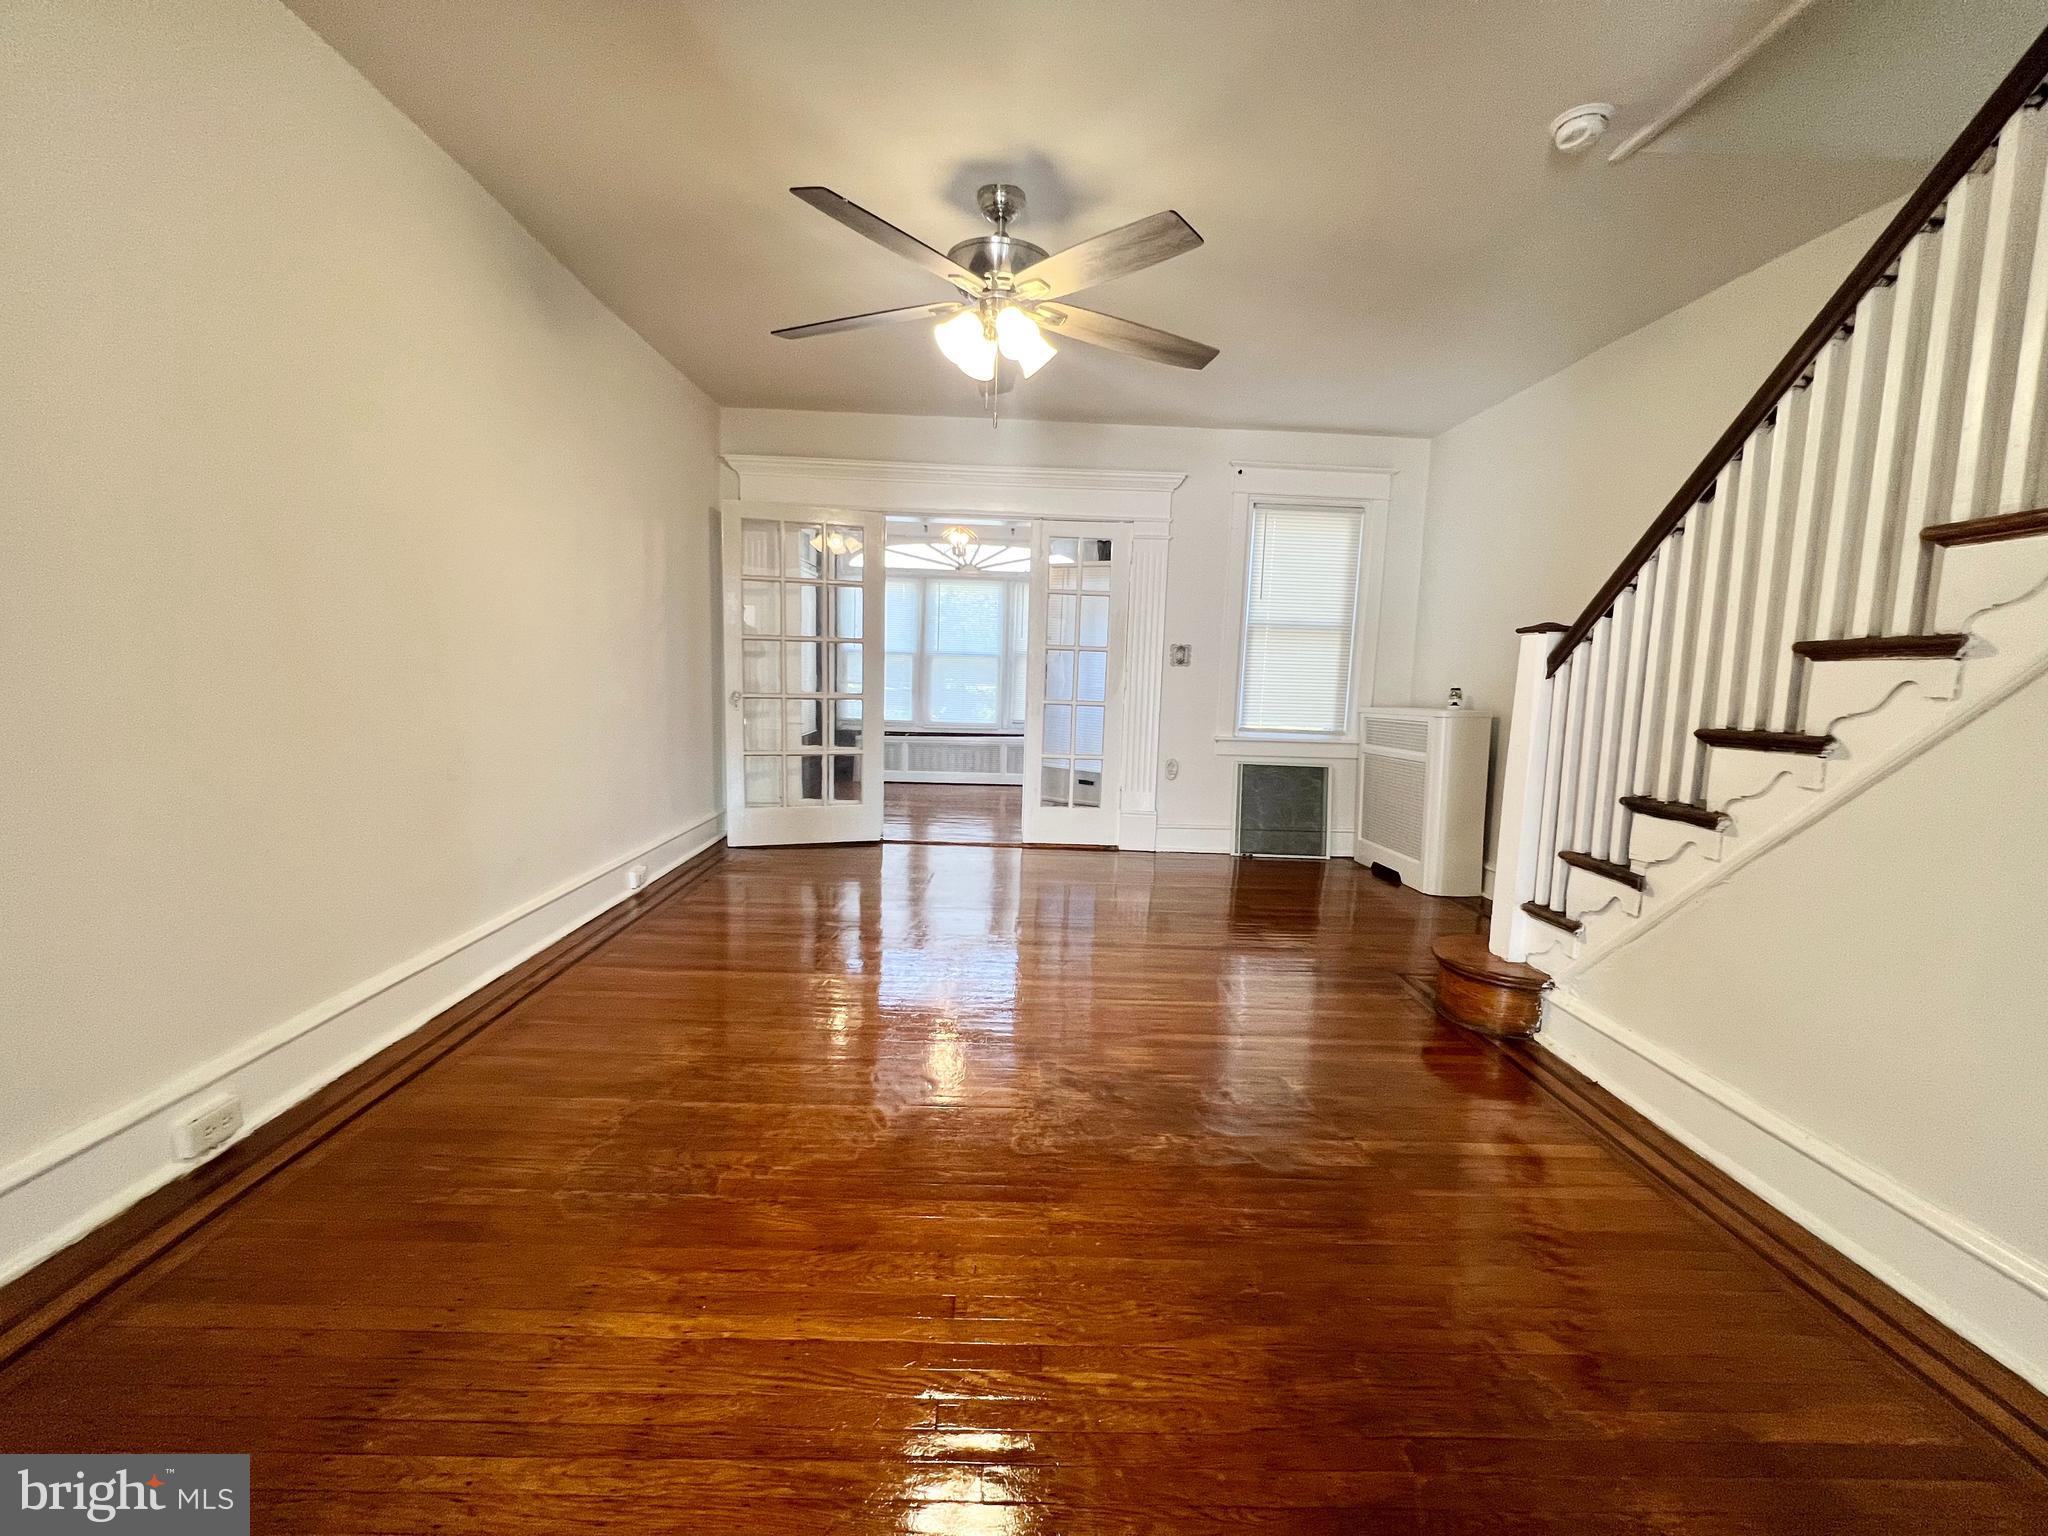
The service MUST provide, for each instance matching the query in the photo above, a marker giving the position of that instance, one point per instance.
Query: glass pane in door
(1077, 632)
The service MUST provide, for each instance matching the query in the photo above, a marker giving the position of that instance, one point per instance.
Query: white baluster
(1781, 496)
(1568, 794)
(1685, 642)
(1600, 644)
(1849, 496)
(1932, 478)
(1657, 687)
(1608, 765)
(2020, 484)
(1715, 624)
(1809, 529)
(2013, 211)
(1746, 542)
(1634, 702)
(1891, 461)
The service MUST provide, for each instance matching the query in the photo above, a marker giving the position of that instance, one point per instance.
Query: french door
(803, 590)
(1072, 738)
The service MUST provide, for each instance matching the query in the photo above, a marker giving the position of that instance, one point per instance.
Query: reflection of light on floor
(965, 1442)
(838, 1030)
(957, 1485)
(945, 1063)
(967, 1520)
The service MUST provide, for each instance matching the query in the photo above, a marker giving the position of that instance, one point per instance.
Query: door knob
(734, 698)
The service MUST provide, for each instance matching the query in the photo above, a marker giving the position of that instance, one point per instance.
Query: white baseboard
(62, 1190)
(1137, 831)
(1990, 1293)
(1196, 840)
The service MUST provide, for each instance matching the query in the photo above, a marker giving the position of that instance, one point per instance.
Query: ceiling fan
(1015, 294)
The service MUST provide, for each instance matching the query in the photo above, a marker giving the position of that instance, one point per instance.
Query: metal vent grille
(1390, 803)
(1397, 735)
(1283, 810)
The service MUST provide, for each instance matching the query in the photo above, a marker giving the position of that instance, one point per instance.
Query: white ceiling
(1392, 245)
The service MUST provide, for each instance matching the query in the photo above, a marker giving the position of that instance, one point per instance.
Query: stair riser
(1588, 892)
(1735, 776)
(1840, 690)
(1973, 578)
(1654, 842)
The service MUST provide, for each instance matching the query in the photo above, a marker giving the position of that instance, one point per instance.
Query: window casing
(954, 653)
(1299, 641)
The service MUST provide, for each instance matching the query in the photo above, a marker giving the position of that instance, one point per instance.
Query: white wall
(1534, 502)
(1196, 808)
(1869, 994)
(355, 585)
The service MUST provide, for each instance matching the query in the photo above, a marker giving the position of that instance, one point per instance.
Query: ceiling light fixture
(1020, 340)
(959, 543)
(1010, 294)
(968, 344)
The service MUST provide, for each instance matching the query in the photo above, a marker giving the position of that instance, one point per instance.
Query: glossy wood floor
(990, 1192)
(953, 813)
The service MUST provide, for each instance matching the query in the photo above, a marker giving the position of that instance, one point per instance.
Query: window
(954, 652)
(1300, 618)
(902, 624)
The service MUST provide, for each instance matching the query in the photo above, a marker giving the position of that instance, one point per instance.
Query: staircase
(1858, 567)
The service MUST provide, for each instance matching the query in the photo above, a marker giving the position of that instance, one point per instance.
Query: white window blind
(1300, 618)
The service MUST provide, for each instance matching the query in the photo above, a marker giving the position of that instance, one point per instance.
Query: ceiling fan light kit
(1013, 292)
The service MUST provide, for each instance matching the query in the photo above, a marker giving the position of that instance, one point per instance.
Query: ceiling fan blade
(937, 311)
(889, 237)
(1077, 324)
(1129, 249)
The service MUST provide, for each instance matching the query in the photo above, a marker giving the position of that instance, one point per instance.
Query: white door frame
(1141, 498)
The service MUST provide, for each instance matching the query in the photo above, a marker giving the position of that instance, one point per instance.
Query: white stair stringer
(1882, 715)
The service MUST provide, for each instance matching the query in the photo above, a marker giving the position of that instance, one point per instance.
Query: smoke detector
(1578, 129)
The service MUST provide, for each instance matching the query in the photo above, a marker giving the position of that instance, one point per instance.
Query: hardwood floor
(998, 1191)
(953, 813)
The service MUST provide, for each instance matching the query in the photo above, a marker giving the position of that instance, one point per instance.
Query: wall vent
(1283, 810)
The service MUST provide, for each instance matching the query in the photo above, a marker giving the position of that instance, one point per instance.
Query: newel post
(1516, 836)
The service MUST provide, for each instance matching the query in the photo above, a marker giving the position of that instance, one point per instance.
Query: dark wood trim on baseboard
(1999, 1399)
(74, 1279)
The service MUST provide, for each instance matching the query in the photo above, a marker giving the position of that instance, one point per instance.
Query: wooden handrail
(1983, 130)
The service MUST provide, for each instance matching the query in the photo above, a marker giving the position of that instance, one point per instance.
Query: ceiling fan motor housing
(999, 253)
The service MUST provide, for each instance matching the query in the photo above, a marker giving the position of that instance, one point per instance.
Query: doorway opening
(954, 696)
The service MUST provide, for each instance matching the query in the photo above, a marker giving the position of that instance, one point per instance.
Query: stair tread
(1764, 741)
(1876, 647)
(1987, 530)
(1552, 916)
(1619, 873)
(1674, 810)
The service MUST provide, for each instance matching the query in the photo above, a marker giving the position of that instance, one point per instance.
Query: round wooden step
(1479, 991)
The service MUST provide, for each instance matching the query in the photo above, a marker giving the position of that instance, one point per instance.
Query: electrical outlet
(208, 1128)
(636, 877)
